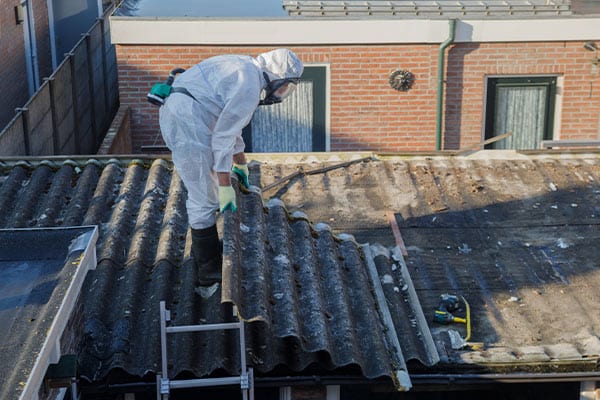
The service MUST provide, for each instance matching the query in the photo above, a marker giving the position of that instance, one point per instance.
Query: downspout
(440, 90)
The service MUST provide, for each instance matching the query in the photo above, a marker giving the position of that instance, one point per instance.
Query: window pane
(287, 126)
(522, 111)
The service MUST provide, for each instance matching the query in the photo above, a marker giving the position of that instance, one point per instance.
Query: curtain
(287, 126)
(522, 111)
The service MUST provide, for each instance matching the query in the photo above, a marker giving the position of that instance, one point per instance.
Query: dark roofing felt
(309, 294)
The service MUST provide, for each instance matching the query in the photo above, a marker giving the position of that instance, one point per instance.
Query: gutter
(440, 79)
(417, 379)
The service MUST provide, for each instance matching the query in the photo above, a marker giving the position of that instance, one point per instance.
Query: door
(523, 106)
(298, 124)
(69, 19)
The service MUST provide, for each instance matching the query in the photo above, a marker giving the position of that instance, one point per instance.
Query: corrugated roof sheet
(307, 292)
(514, 233)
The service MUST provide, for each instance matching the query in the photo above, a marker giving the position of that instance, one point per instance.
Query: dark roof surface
(38, 267)
(511, 232)
(515, 234)
(308, 294)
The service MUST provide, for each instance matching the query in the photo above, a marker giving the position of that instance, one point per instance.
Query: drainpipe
(440, 90)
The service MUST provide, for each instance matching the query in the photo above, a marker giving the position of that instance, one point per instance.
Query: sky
(202, 8)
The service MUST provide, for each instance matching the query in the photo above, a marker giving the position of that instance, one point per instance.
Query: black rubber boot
(206, 250)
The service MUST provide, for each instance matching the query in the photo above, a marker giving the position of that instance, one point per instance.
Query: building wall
(42, 37)
(470, 63)
(366, 113)
(12, 52)
(13, 75)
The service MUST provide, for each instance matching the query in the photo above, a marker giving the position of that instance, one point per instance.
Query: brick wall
(118, 137)
(366, 114)
(469, 64)
(13, 74)
(12, 53)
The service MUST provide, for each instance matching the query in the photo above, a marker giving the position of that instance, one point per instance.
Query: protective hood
(280, 64)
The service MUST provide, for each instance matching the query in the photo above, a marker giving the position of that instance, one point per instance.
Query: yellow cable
(467, 319)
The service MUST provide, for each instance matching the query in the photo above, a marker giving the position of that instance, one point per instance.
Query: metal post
(163, 338)
(244, 382)
(55, 138)
(76, 130)
(90, 64)
(104, 74)
(24, 116)
(162, 381)
(251, 382)
(74, 390)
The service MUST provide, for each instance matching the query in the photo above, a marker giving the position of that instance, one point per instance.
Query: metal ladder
(164, 384)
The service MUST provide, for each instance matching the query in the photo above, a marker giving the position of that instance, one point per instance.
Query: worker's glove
(227, 198)
(242, 172)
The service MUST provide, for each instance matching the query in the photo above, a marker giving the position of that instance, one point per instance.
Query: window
(523, 106)
(295, 125)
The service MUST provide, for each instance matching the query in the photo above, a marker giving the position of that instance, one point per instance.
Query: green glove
(242, 172)
(227, 198)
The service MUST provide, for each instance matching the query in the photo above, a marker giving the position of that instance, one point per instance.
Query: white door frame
(31, 57)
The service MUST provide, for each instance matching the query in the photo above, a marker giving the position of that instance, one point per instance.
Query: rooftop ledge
(315, 31)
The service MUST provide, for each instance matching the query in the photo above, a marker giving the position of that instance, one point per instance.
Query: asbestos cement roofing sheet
(511, 232)
(515, 234)
(143, 258)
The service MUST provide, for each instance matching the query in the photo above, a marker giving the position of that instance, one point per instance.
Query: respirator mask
(278, 89)
(160, 91)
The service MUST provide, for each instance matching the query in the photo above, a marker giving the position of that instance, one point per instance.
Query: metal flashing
(391, 334)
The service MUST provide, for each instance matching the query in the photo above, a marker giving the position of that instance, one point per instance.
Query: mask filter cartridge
(161, 90)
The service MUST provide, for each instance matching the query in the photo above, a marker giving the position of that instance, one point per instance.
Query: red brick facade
(367, 114)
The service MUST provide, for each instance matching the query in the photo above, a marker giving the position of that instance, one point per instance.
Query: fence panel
(112, 76)
(63, 109)
(73, 109)
(39, 122)
(83, 109)
(12, 137)
(97, 78)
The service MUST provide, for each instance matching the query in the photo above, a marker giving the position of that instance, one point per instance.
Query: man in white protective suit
(201, 122)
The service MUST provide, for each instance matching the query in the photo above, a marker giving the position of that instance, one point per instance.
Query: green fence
(73, 108)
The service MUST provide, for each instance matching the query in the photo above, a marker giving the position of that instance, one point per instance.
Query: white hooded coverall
(204, 134)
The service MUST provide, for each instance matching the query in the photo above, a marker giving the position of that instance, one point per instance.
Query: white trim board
(203, 31)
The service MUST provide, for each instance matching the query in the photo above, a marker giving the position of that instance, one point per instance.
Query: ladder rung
(245, 380)
(192, 383)
(198, 328)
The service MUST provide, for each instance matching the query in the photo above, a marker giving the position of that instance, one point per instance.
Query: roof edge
(220, 31)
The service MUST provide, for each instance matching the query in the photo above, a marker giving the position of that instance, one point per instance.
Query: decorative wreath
(401, 80)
